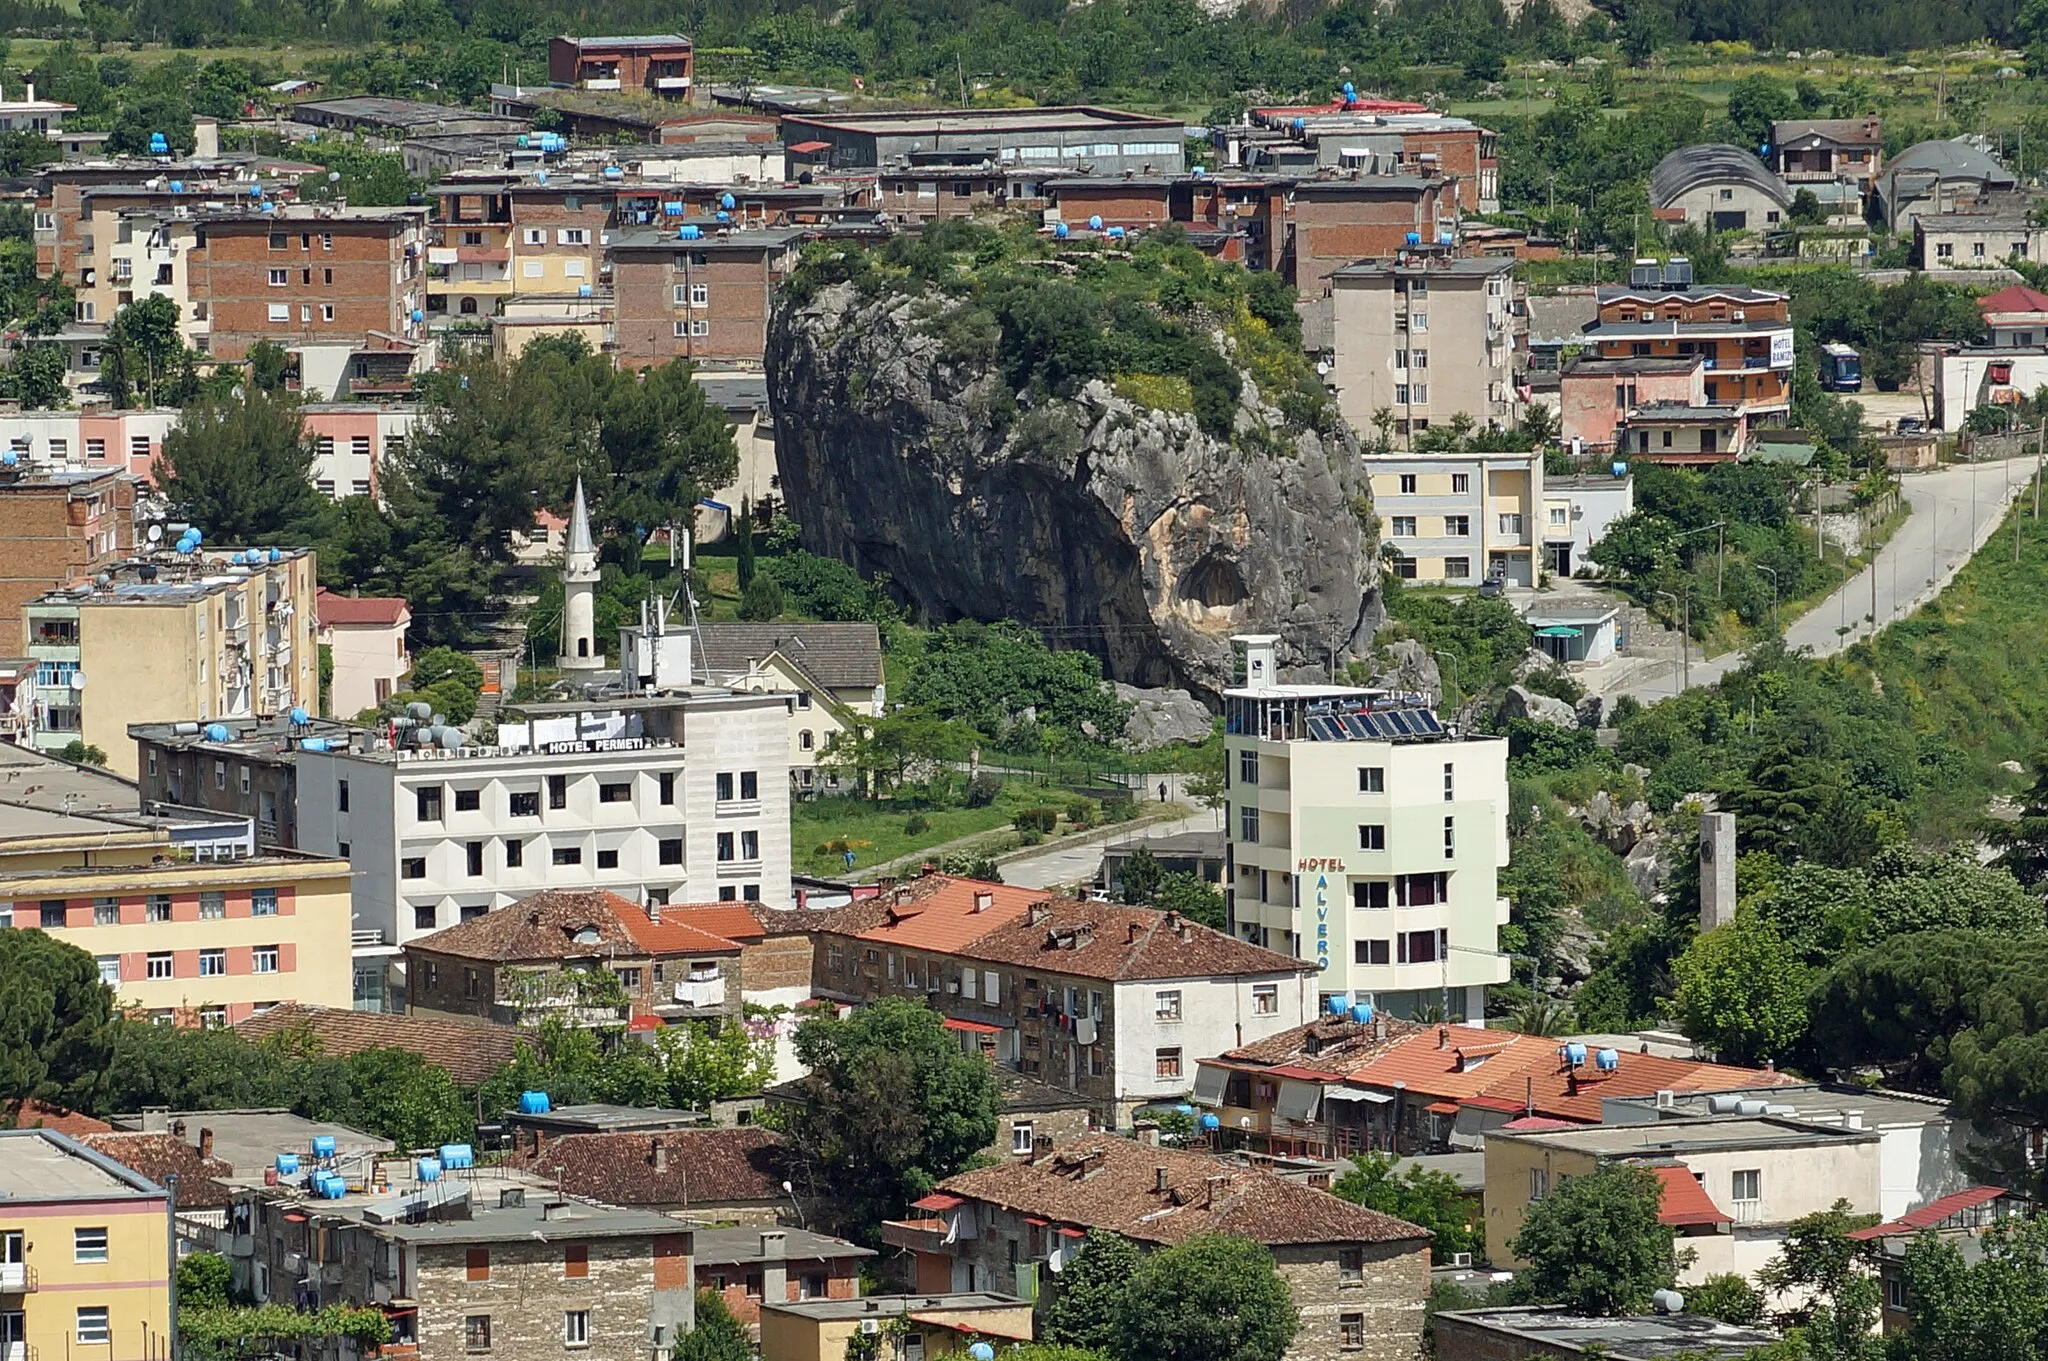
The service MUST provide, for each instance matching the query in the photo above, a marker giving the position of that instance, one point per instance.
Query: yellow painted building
(206, 635)
(206, 941)
(85, 1254)
(1458, 518)
(906, 1327)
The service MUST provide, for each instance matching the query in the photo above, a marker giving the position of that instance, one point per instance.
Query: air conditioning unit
(1667, 1099)
(1461, 1259)
(871, 1326)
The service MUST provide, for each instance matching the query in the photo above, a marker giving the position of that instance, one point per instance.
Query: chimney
(555, 1209)
(1443, 1037)
(660, 1154)
(773, 1243)
(205, 137)
(984, 899)
(774, 1270)
(1147, 1132)
(1132, 934)
(1039, 910)
(1853, 1119)
(1159, 1179)
(31, 96)
(900, 893)
(205, 1142)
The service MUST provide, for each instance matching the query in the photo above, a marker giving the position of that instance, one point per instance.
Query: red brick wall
(1116, 203)
(46, 541)
(359, 268)
(739, 283)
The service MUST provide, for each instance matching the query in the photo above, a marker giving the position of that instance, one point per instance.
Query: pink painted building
(1595, 396)
(351, 441)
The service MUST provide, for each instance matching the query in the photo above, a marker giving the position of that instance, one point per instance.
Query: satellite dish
(156, 533)
(78, 680)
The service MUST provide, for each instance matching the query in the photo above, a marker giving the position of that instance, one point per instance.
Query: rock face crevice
(1110, 526)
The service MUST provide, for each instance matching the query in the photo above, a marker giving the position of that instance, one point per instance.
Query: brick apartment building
(57, 527)
(658, 63)
(1341, 220)
(513, 965)
(498, 236)
(1358, 1277)
(705, 299)
(311, 276)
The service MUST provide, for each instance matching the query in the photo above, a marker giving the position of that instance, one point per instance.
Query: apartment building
(1390, 316)
(65, 235)
(137, 244)
(1358, 1278)
(1101, 141)
(499, 236)
(1341, 219)
(1808, 151)
(461, 1265)
(353, 440)
(657, 63)
(1365, 839)
(240, 767)
(2005, 371)
(93, 438)
(185, 938)
(1732, 1185)
(86, 1252)
(57, 526)
(365, 639)
(518, 965)
(1113, 1003)
(731, 1175)
(222, 633)
(679, 798)
(1453, 517)
(1984, 236)
(1367, 134)
(703, 297)
(311, 276)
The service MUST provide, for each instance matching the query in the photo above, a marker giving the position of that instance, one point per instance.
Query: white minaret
(580, 651)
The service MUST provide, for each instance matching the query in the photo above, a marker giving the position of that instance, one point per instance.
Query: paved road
(1057, 865)
(1955, 511)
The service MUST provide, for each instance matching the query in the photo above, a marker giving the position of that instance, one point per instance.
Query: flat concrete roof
(1644, 1337)
(884, 1305)
(1075, 117)
(43, 1165)
(1668, 1137)
(250, 1140)
(1818, 1104)
(743, 1244)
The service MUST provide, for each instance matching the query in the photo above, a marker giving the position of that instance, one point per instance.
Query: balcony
(601, 83)
(483, 255)
(20, 1351)
(701, 992)
(676, 83)
(916, 1235)
(16, 1278)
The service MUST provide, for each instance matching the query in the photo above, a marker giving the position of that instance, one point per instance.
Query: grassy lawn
(880, 831)
(1727, 631)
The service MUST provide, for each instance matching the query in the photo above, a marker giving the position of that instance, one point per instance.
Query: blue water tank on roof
(457, 1155)
(429, 1169)
(534, 1103)
(287, 1164)
(323, 1145)
(1575, 1054)
(1607, 1060)
(217, 732)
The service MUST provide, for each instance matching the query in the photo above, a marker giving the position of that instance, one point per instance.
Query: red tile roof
(1118, 943)
(41, 1115)
(666, 935)
(706, 1167)
(332, 609)
(1109, 1183)
(1932, 1213)
(470, 1052)
(934, 912)
(2014, 298)
(558, 924)
(1686, 1203)
(1329, 1044)
(162, 1156)
(730, 920)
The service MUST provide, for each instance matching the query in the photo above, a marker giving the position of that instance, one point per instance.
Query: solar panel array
(1370, 725)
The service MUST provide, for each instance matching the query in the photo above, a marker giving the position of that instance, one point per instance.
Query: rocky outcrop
(1525, 703)
(1116, 527)
(1406, 664)
(1163, 715)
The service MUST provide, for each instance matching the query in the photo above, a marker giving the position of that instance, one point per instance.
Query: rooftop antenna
(680, 553)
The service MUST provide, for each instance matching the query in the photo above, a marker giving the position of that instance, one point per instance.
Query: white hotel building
(669, 798)
(1366, 839)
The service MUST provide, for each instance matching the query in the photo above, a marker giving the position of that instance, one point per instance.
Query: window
(1748, 1185)
(667, 785)
(1539, 1183)
(1372, 836)
(750, 784)
(725, 846)
(1265, 999)
(1421, 947)
(1422, 890)
(1457, 526)
(723, 783)
(1351, 1332)
(607, 860)
(427, 803)
(1894, 1293)
(1372, 779)
(615, 793)
(1450, 839)
(110, 969)
(280, 278)
(1166, 1005)
(1371, 951)
(52, 916)
(1418, 359)
(413, 867)
(572, 236)
(474, 852)
(558, 791)
(157, 907)
(576, 1256)
(157, 966)
(93, 1330)
(1418, 321)
(1457, 569)
(524, 804)
(1511, 524)
(477, 1262)
(213, 963)
(1350, 1266)
(576, 1327)
(423, 917)
(515, 854)
(1166, 1063)
(1022, 1137)
(1248, 767)
(568, 855)
(1407, 479)
(1450, 782)
(1248, 825)
(263, 959)
(1461, 483)
(1404, 526)
(262, 902)
(468, 800)
(750, 845)
(476, 1333)
(341, 796)
(89, 1245)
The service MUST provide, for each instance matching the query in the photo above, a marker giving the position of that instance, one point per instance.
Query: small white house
(366, 636)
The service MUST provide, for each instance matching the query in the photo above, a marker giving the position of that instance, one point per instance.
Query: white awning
(1298, 1100)
(1353, 1094)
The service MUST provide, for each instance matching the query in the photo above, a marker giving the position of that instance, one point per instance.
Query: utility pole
(1773, 575)
(1684, 638)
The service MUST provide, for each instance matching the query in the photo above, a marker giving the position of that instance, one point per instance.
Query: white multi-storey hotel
(665, 798)
(1367, 839)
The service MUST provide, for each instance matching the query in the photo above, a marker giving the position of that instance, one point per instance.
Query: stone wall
(1384, 1301)
(527, 1290)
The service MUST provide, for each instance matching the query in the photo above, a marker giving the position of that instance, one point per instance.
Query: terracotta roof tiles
(1109, 941)
(344, 610)
(1686, 1203)
(559, 924)
(709, 1167)
(1931, 1214)
(470, 1052)
(162, 1156)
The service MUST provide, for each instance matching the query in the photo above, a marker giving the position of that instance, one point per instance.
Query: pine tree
(2023, 843)
(746, 549)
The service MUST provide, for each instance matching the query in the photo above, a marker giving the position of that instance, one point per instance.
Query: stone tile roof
(1330, 1045)
(1110, 1183)
(559, 924)
(470, 1052)
(839, 656)
(1117, 943)
(162, 1156)
(697, 1166)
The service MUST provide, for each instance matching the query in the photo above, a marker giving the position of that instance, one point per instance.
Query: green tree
(1741, 992)
(1090, 1292)
(240, 468)
(203, 1280)
(2023, 842)
(145, 354)
(1596, 1245)
(745, 532)
(1807, 210)
(56, 1022)
(665, 446)
(1834, 1278)
(1424, 1197)
(268, 362)
(1193, 897)
(762, 600)
(826, 588)
(1216, 1297)
(1992, 1309)
(989, 674)
(881, 754)
(704, 1064)
(718, 1336)
(401, 1096)
(1140, 877)
(78, 751)
(890, 1106)
(1753, 105)
(1728, 1297)
(35, 377)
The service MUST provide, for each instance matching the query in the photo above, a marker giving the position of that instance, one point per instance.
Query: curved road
(1955, 511)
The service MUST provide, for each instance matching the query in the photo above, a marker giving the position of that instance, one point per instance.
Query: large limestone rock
(1162, 715)
(1116, 527)
(1407, 664)
(1525, 703)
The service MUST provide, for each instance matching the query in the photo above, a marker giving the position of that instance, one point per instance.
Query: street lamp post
(1684, 638)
